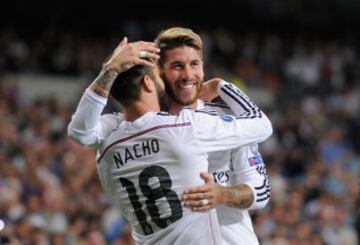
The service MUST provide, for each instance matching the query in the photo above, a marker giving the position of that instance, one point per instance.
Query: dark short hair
(126, 87)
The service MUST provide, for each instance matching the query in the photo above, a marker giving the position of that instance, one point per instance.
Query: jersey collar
(141, 121)
(200, 104)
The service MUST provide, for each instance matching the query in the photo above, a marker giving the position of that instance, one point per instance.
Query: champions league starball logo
(226, 118)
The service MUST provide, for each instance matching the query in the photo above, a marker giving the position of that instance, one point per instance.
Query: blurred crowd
(49, 189)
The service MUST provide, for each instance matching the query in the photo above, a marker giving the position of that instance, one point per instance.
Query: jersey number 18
(164, 190)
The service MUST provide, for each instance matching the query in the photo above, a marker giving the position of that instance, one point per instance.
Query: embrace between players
(187, 175)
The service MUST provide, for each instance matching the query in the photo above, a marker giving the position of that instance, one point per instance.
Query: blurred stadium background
(298, 59)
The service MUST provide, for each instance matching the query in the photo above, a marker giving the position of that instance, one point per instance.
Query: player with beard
(147, 158)
(243, 183)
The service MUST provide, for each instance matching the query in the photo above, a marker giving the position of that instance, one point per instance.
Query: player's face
(183, 74)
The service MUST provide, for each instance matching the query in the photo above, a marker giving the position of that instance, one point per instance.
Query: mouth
(186, 86)
(184, 92)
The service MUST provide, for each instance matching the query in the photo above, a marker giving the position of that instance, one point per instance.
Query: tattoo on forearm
(240, 196)
(103, 82)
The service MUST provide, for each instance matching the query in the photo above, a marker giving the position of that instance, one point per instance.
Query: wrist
(240, 196)
(223, 195)
(104, 81)
(109, 70)
(99, 90)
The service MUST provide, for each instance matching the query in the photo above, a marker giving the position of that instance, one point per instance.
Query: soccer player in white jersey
(242, 182)
(146, 159)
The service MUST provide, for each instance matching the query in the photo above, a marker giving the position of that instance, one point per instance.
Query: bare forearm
(240, 196)
(102, 84)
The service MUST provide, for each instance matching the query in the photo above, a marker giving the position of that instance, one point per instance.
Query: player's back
(144, 167)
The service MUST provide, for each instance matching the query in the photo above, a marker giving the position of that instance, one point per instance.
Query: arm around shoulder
(245, 109)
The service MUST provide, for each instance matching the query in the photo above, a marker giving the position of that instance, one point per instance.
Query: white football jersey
(145, 165)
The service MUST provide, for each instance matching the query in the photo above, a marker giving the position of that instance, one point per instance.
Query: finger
(120, 46)
(144, 43)
(195, 197)
(148, 55)
(211, 80)
(208, 178)
(150, 47)
(152, 56)
(206, 82)
(195, 204)
(144, 62)
(202, 188)
(123, 42)
(117, 50)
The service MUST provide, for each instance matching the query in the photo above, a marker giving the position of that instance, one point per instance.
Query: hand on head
(127, 55)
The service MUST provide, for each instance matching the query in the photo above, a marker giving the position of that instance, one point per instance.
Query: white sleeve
(249, 168)
(239, 102)
(87, 126)
(224, 132)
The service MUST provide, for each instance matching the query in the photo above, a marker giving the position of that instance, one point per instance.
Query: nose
(188, 73)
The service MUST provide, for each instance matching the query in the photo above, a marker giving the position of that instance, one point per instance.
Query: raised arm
(239, 103)
(252, 188)
(217, 132)
(87, 126)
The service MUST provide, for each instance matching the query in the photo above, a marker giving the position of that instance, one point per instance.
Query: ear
(148, 84)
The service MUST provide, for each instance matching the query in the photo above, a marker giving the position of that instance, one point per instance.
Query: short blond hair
(176, 37)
